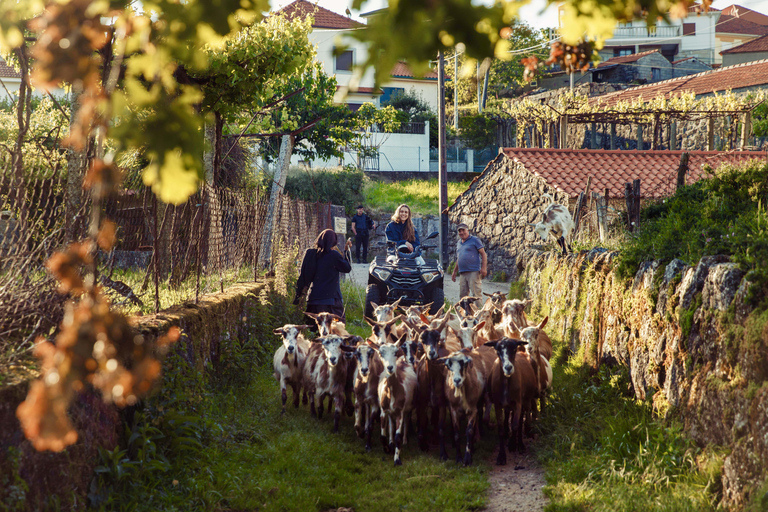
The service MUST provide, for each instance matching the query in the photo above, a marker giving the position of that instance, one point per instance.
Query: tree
(413, 109)
(525, 41)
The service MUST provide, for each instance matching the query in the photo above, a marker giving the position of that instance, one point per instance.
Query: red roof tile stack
(568, 169)
(323, 17)
(749, 74)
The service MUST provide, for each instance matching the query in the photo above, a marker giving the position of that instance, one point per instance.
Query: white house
(10, 81)
(408, 151)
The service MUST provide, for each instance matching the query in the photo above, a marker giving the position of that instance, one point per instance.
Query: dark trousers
(361, 239)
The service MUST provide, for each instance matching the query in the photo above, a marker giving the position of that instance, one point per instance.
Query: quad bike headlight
(382, 274)
(428, 277)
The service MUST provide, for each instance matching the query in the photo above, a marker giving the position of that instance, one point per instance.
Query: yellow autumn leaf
(175, 180)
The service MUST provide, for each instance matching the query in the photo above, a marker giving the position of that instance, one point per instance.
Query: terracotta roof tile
(401, 70)
(568, 169)
(323, 17)
(625, 59)
(7, 71)
(749, 74)
(756, 45)
(746, 13)
(733, 25)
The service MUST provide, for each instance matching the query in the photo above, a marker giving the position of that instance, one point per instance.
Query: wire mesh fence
(164, 255)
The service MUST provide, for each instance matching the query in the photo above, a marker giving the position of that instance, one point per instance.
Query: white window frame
(336, 57)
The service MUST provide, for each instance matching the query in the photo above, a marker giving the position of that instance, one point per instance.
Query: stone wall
(692, 347)
(498, 207)
(236, 314)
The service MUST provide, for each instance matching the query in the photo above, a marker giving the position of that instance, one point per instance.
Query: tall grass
(605, 451)
(421, 195)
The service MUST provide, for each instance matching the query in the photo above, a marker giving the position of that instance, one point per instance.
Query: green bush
(724, 214)
(342, 186)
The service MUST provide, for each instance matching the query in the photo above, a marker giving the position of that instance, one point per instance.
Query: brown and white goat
(325, 373)
(512, 390)
(540, 363)
(397, 391)
(367, 373)
(289, 361)
(555, 219)
(465, 385)
(431, 401)
(513, 316)
(383, 332)
(542, 339)
(328, 323)
(385, 312)
(492, 328)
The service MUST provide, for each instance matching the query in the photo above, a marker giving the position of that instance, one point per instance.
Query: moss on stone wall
(694, 349)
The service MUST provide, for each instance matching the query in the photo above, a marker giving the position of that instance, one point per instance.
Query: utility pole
(456, 89)
(442, 164)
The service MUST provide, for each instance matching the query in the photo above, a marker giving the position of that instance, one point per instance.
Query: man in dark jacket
(362, 224)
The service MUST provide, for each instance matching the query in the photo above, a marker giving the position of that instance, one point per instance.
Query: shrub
(342, 186)
(724, 214)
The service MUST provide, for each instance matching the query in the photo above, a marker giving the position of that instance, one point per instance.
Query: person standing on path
(362, 224)
(320, 268)
(471, 263)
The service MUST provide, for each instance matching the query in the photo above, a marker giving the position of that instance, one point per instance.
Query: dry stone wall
(692, 346)
(497, 207)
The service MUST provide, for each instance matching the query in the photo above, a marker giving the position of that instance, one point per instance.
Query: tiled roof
(733, 25)
(749, 74)
(323, 17)
(756, 45)
(747, 14)
(682, 60)
(7, 71)
(401, 70)
(626, 59)
(568, 169)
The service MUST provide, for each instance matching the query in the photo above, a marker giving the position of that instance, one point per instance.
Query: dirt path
(516, 486)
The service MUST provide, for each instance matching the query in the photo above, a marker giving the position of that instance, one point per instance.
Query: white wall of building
(12, 86)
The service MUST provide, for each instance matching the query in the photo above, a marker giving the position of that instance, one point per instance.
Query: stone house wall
(689, 67)
(641, 70)
(497, 208)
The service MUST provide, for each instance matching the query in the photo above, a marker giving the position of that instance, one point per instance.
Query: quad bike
(404, 276)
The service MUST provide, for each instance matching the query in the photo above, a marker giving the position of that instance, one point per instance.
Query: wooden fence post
(563, 131)
(630, 206)
(681, 170)
(580, 204)
(613, 135)
(602, 226)
(746, 130)
(710, 134)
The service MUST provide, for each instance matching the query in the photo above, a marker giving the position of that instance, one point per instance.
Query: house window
(655, 74)
(344, 61)
(689, 29)
(390, 92)
(623, 52)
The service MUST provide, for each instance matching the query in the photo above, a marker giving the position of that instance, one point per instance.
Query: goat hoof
(467, 460)
(398, 462)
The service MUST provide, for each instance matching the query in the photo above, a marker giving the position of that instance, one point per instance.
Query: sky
(536, 13)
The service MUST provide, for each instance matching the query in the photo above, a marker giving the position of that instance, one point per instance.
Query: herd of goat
(460, 362)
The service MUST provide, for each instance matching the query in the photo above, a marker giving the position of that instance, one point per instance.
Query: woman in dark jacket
(320, 269)
(401, 228)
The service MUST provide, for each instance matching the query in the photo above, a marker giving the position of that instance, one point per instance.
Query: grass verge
(421, 195)
(603, 450)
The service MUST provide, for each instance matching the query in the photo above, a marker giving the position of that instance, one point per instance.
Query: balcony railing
(642, 32)
(407, 128)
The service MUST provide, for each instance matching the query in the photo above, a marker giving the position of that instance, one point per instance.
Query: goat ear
(424, 318)
(303, 326)
(491, 344)
(347, 349)
(531, 224)
(372, 344)
(544, 322)
(337, 318)
(311, 315)
(370, 322)
(279, 331)
(396, 303)
(402, 339)
(487, 294)
(479, 326)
